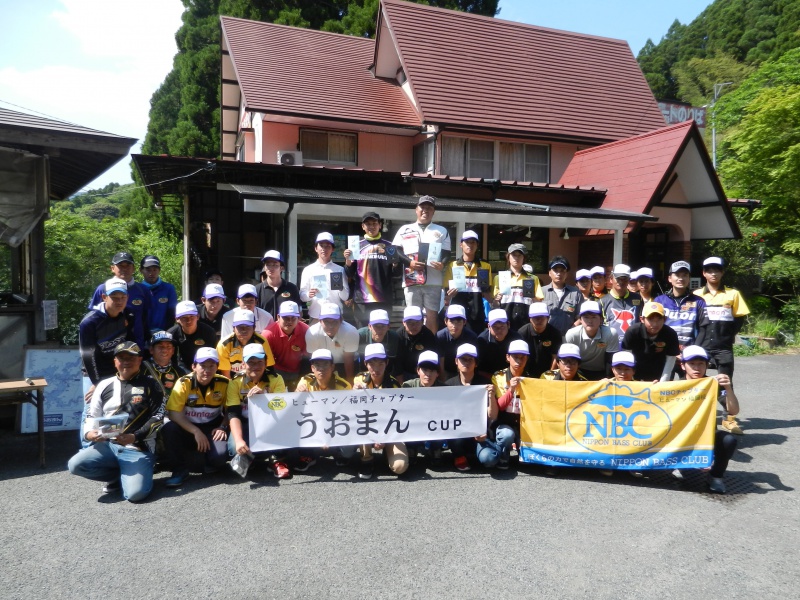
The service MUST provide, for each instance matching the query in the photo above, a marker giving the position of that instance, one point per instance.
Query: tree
(696, 78)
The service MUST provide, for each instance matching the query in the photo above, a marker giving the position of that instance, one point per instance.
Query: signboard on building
(678, 113)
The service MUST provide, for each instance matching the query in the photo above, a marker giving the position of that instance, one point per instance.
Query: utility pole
(717, 88)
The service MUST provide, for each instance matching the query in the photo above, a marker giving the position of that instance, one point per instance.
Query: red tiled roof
(479, 72)
(632, 170)
(296, 71)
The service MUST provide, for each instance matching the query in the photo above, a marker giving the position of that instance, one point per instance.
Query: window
(423, 157)
(465, 157)
(328, 146)
(476, 158)
(524, 162)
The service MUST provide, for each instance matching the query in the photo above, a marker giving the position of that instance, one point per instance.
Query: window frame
(328, 133)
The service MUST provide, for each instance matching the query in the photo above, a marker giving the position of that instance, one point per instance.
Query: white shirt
(410, 236)
(345, 340)
(263, 320)
(307, 284)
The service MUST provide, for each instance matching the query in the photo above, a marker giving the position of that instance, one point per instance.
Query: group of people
(181, 373)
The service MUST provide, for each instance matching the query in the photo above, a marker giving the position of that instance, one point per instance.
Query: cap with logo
(679, 265)
(374, 351)
(559, 261)
(329, 311)
(497, 315)
(122, 257)
(253, 351)
(412, 313)
(426, 200)
(115, 284)
(213, 290)
(538, 309)
(242, 316)
(569, 351)
(162, 336)
(128, 348)
(652, 308)
(370, 215)
(289, 308)
(150, 261)
(184, 308)
(623, 358)
(246, 289)
(456, 311)
(204, 354)
(379, 317)
(518, 347)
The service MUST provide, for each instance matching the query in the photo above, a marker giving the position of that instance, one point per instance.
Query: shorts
(428, 297)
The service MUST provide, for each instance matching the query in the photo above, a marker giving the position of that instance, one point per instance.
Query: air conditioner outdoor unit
(291, 158)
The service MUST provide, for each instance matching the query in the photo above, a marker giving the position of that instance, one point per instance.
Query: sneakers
(281, 470)
(178, 478)
(730, 425)
(461, 463)
(606, 472)
(365, 469)
(304, 463)
(678, 474)
(435, 456)
(341, 461)
(716, 485)
(502, 464)
(112, 486)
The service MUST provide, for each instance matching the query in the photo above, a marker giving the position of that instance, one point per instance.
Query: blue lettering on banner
(54, 420)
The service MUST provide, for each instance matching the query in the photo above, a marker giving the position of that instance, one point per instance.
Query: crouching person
(376, 377)
(196, 425)
(255, 379)
(126, 460)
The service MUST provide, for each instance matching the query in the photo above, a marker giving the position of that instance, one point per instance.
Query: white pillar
(618, 235)
(291, 260)
(185, 291)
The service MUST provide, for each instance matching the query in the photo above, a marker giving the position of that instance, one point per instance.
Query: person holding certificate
(515, 289)
(323, 281)
(467, 281)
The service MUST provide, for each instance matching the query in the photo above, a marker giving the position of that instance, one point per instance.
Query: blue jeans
(491, 452)
(106, 461)
(87, 383)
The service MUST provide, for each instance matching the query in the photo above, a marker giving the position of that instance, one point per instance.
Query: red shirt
(287, 350)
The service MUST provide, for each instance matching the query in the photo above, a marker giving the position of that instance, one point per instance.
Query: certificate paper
(354, 245)
(459, 281)
(504, 282)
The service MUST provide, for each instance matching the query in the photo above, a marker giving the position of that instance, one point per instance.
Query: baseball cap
(678, 265)
(370, 215)
(713, 260)
(121, 257)
(559, 260)
(569, 351)
(634, 275)
(538, 309)
(426, 199)
(527, 268)
(115, 284)
(583, 274)
(597, 270)
(213, 290)
(517, 248)
(690, 352)
(150, 261)
(467, 350)
(469, 235)
(321, 354)
(329, 311)
(289, 309)
(162, 336)
(273, 255)
(247, 289)
(652, 308)
(590, 306)
(325, 237)
(253, 351)
(428, 357)
(205, 353)
(242, 316)
(621, 270)
(456, 311)
(645, 272)
(187, 307)
(623, 358)
(497, 315)
(374, 351)
(518, 347)
(379, 317)
(412, 313)
(128, 348)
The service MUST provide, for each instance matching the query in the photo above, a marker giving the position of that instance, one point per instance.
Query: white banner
(354, 417)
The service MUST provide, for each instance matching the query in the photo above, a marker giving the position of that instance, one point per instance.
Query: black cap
(121, 257)
(371, 215)
(559, 260)
(162, 336)
(428, 199)
(128, 348)
(150, 261)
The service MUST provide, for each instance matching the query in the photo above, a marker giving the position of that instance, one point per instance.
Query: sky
(96, 63)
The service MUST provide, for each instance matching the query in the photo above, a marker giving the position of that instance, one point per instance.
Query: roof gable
(484, 73)
(293, 71)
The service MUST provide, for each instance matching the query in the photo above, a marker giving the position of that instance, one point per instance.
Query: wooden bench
(18, 391)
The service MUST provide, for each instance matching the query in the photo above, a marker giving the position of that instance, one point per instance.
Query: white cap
(329, 310)
(538, 309)
(569, 351)
(379, 317)
(581, 273)
(213, 290)
(497, 314)
(527, 268)
(412, 313)
(467, 350)
(623, 358)
(253, 350)
(187, 307)
(428, 356)
(273, 255)
(204, 354)
(634, 274)
(456, 311)
(288, 308)
(518, 347)
(325, 237)
(115, 284)
(469, 235)
(242, 316)
(321, 354)
(246, 289)
(597, 270)
(621, 269)
(645, 272)
(714, 260)
(691, 352)
(590, 306)
(374, 351)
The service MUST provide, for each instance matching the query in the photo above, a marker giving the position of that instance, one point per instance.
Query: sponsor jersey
(621, 313)
(238, 389)
(686, 316)
(199, 404)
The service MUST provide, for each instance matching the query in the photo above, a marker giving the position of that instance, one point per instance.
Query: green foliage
(790, 315)
(696, 77)
(101, 210)
(759, 306)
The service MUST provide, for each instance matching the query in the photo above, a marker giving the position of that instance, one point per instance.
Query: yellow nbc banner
(618, 425)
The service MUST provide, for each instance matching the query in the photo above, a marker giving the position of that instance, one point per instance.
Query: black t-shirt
(476, 380)
(188, 345)
(449, 346)
(409, 348)
(216, 324)
(543, 347)
(491, 353)
(650, 354)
